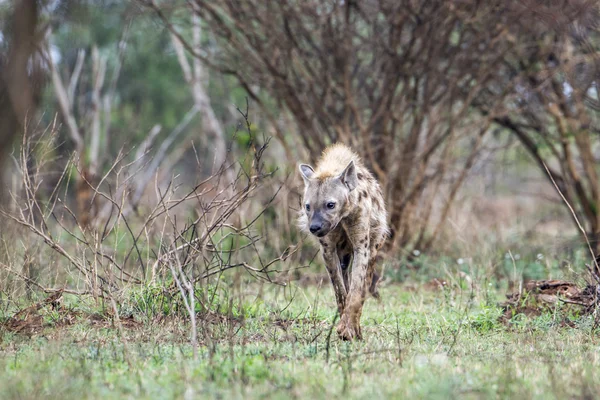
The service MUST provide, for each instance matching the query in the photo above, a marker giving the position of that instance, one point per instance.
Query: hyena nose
(314, 228)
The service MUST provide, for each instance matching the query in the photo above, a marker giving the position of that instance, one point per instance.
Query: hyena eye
(307, 207)
(331, 205)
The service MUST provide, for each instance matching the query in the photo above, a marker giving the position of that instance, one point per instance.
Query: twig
(583, 232)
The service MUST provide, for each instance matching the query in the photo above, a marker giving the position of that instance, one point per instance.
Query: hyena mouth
(324, 232)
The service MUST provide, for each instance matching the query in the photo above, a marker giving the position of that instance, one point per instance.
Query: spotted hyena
(344, 208)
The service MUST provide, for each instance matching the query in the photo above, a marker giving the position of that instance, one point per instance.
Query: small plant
(150, 302)
(486, 319)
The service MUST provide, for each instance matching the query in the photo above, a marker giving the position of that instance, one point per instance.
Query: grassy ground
(419, 343)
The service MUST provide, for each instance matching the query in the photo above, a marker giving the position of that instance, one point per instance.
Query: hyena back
(344, 208)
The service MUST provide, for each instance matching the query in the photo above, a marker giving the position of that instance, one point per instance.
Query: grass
(419, 343)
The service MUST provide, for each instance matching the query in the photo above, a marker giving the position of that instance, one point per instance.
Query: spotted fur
(350, 233)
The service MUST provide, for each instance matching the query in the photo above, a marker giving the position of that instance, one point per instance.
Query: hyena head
(326, 198)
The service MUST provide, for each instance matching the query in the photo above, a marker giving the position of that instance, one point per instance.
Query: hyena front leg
(349, 326)
(332, 263)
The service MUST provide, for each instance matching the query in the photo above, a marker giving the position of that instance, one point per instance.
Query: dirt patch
(108, 320)
(51, 313)
(538, 296)
(31, 320)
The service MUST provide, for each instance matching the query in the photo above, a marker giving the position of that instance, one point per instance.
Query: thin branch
(583, 232)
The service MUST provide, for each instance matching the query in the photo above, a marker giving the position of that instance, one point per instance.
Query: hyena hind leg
(373, 276)
(373, 286)
(345, 262)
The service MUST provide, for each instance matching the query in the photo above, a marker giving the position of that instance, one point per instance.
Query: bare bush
(553, 111)
(394, 79)
(180, 239)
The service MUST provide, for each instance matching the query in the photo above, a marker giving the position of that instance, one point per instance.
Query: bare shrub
(180, 240)
(394, 79)
(553, 111)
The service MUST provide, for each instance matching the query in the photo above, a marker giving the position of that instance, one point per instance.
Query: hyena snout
(319, 226)
(314, 228)
(319, 229)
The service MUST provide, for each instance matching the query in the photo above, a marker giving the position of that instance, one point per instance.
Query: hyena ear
(306, 171)
(349, 177)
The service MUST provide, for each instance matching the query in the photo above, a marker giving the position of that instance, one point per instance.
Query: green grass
(418, 344)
